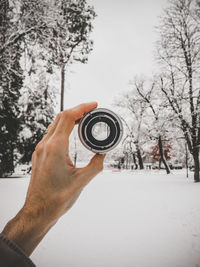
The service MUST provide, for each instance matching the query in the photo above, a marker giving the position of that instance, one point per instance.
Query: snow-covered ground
(122, 219)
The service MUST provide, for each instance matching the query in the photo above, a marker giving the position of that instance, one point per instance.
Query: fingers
(94, 167)
(70, 116)
(52, 127)
(61, 128)
(81, 109)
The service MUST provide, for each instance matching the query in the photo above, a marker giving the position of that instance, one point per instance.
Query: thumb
(94, 167)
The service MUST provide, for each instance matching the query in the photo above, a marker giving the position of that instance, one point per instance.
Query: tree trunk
(12, 158)
(159, 164)
(140, 161)
(126, 161)
(162, 155)
(62, 87)
(186, 160)
(135, 162)
(196, 165)
(46, 93)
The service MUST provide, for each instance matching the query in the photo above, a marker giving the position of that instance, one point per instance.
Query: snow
(122, 219)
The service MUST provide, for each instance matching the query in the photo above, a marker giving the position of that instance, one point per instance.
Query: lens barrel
(90, 127)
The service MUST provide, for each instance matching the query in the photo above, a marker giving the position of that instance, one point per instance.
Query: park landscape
(143, 209)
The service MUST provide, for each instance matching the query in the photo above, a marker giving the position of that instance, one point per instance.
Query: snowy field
(122, 219)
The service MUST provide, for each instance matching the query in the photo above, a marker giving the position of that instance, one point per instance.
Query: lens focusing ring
(90, 120)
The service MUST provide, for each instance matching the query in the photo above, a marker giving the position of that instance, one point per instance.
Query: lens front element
(100, 131)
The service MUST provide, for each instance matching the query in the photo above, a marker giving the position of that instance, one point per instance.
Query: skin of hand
(55, 183)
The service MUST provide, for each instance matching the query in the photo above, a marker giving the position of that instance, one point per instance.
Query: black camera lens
(100, 130)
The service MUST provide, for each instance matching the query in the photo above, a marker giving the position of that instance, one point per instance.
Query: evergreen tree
(11, 80)
(38, 113)
(59, 31)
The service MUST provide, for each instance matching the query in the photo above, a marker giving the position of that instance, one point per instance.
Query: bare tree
(148, 95)
(179, 54)
(134, 122)
(132, 146)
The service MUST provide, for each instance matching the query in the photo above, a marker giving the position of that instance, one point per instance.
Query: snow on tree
(11, 79)
(49, 33)
(62, 30)
(133, 115)
(38, 112)
(179, 55)
(149, 122)
(160, 122)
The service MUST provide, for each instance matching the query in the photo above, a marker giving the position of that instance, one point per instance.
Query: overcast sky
(124, 40)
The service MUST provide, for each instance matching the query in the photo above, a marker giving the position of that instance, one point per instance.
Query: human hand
(55, 183)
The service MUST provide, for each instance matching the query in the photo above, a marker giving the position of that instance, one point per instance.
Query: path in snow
(126, 219)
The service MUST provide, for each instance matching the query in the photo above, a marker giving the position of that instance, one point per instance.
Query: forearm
(55, 183)
(26, 230)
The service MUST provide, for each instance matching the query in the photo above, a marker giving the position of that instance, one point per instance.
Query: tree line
(39, 40)
(165, 108)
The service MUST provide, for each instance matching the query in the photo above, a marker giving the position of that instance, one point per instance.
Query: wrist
(27, 229)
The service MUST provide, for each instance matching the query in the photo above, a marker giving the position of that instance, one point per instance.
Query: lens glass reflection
(100, 131)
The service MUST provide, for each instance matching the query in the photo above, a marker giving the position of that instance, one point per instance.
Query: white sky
(124, 38)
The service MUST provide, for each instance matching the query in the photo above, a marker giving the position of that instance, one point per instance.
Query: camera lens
(100, 130)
